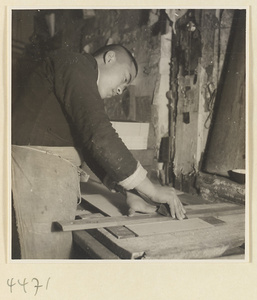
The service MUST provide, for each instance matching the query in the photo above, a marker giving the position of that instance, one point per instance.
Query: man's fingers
(176, 209)
(181, 206)
(180, 211)
(172, 209)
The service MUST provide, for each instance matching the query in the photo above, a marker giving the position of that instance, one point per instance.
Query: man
(62, 106)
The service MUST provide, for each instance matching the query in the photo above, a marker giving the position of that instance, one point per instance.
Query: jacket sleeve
(75, 77)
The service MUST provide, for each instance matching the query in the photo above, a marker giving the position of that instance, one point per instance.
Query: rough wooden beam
(216, 188)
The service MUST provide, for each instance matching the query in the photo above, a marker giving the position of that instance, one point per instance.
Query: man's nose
(119, 90)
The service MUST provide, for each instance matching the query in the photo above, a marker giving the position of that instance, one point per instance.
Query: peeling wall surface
(202, 38)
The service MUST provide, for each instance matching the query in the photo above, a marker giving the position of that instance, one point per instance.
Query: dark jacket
(61, 106)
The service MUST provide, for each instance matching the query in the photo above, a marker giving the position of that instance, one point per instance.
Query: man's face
(115, 74)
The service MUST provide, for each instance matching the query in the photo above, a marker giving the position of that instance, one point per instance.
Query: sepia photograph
(129, 131)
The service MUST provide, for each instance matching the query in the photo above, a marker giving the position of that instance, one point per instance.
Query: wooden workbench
(212, 230)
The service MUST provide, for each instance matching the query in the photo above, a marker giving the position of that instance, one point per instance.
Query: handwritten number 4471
(34, 281)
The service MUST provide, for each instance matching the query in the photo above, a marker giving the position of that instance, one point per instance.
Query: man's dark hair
(116, 47)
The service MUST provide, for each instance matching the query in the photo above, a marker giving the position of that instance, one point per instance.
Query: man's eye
(125, 80)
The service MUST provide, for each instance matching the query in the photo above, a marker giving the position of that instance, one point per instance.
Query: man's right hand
(137, 204)
(162, 194)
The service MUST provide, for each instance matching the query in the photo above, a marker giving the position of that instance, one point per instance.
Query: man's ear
(109, 57)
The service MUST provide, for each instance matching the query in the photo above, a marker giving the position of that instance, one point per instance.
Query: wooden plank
(214, 206)
(168, 227)
(102, 204)
(215, 212)
(101, 222)
(91, 246)
(111, 204)
(192, 212)
(209, 209)
(204, 243)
